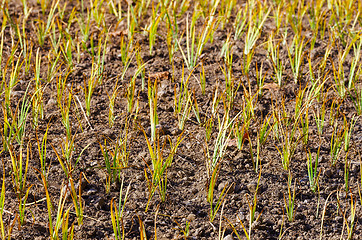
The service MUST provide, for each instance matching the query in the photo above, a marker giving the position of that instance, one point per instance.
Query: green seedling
(241, 133)
(5, 231)
(2, 42)
(252, 214)
(360, 173)
(304, 122)
(152, 29)
(77, 197)
(186, 230)
(67, 48)
(278, 66)
(42, 151)
(142, 228)
(43, 28)
(317, 15)
(216, 98)
(171, 39)
(112, 99)
(294, 15)
(296, 54)
(278, 14)
(18, 124)
(290, 205)
(89, 86)
(55, 37)
(214, 208)
(152, 101)
(240, 21)
(126, 49)
(289, 143)
(117, 213)
(202, 81)
(286, 133)
(116, 156)
(160, 165)
(182, 101)
(195, 108)
(300, 105)
(313, 174)
(9, 83)
(349, 130)
(19, 174)
(131, 88)
(141, 67)
(348, 221)
(115, 8)
(64, 100)
(262, 137)
(248, 105)
(209, 124)
(230, 89)
(84, 27)
(319, 117)
(53, 67)
(347, 166)
(356, 97)
(256, 20)
(355, 71)
(62, 217)
(220, 144)
(97, 12)
(226, 11)
(338, 70)
(112, 163)
(66, 160)
(328, 51)
(336, 143)
(260, 78)
(195, 43)
(334, 112)
(37, 98)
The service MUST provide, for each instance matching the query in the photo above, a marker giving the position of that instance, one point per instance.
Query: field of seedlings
(181, 119)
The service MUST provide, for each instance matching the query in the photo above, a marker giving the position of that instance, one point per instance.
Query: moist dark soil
(327, 210)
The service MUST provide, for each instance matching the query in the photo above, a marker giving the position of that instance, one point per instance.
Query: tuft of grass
(117, 213)
(290, 204)
(160, 165)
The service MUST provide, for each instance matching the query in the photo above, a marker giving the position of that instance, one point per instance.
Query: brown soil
(187, 177)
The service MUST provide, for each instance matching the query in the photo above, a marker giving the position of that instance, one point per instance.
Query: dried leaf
(160, 76)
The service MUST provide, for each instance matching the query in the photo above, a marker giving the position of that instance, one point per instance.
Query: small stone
(280, 222)
(52, 102)
(107, 132)
(328, 173)
(191, 217)
(252, 187)
(100, 203)
(169, 109)
(228, 237)
(338, 219)
(229, 188)
(92, 191)
(176, 131)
